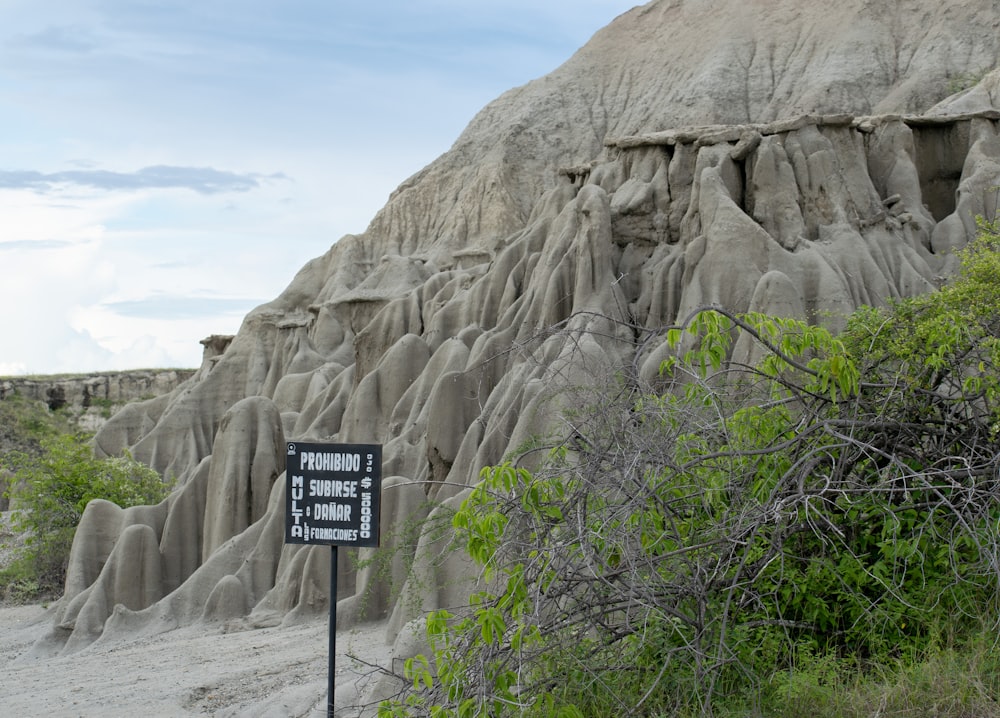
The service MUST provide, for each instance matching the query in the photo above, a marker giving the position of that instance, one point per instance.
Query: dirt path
(198, 670)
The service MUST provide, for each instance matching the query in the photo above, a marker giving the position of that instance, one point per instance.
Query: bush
(25, 422)
(48, 495)
(753, 535)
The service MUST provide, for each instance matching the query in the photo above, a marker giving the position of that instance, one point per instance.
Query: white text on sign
(329, 461)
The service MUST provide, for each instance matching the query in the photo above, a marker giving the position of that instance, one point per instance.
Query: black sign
(332, 494)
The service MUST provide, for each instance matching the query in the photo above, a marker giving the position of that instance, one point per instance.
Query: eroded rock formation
(786, 157)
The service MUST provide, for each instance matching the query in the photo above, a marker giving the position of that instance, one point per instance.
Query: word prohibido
(329, 461)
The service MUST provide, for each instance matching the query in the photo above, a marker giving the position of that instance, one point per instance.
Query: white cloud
(102, 304)
(158, 153)
(143, 342)
(41, 288)
(206, 180)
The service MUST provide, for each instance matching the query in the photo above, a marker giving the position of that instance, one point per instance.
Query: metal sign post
(333, 496)
(331, 679)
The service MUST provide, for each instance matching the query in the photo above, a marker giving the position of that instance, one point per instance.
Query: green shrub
(754, 538)
(49, 493)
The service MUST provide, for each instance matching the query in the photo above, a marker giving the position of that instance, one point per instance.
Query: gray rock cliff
(801, 158)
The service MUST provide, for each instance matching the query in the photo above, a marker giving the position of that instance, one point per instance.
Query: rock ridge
(82, 390)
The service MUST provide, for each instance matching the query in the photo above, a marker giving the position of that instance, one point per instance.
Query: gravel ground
(193, 671)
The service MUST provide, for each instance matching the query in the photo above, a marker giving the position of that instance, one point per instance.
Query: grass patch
(945, 683)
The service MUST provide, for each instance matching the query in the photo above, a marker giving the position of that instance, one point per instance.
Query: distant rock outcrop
(90, 398)
(795, 157)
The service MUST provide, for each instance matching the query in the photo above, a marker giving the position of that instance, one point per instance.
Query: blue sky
(167, 165)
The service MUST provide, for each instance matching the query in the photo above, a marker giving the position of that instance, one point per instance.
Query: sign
(332, 494)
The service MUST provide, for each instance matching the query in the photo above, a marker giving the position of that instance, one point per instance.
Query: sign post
(333, 496)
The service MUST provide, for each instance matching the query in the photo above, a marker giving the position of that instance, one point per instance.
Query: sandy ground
(192, 671)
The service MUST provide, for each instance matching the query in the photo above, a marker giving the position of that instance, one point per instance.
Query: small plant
(22, 586)
(105, 407)
(391, 565)
(964, 81)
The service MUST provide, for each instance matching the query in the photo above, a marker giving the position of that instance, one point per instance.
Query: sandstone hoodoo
(800, 158)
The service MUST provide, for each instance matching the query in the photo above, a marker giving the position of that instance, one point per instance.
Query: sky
(167, 165)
